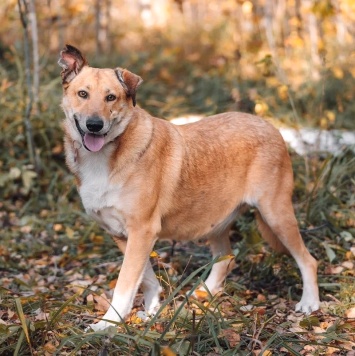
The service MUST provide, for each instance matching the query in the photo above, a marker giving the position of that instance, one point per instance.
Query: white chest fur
(101, 199)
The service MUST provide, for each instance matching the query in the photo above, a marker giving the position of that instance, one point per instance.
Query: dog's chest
(101, 199)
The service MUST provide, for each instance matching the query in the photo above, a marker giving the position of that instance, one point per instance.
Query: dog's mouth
(92, 142)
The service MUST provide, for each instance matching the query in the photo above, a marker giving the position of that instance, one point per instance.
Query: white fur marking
(101, 199)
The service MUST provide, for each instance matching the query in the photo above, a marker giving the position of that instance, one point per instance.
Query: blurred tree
(29, 23)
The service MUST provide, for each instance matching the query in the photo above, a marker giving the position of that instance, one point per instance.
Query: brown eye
(83, 94)
(110, 97)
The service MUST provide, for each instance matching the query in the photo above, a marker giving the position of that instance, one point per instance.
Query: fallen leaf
(231, 336)
(57, 227)
(41, 315)
(350, 313)
(50, 348)
(167, 351)
(348, 265)
(113, 283)
(201, 294)
(101, 303)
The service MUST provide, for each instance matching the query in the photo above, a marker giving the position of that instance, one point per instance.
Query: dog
(142, 179)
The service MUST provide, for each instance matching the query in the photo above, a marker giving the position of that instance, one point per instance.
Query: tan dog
(144, 179)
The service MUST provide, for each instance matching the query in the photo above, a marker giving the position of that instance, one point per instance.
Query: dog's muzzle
(92, 141)
(94, 124)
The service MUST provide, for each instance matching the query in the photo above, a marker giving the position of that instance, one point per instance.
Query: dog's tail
(268, 235)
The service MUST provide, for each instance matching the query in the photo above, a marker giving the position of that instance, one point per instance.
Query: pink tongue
(94, 142)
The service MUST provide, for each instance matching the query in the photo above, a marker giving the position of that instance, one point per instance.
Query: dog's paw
(307, 306)
(144, 315)
(100, 326)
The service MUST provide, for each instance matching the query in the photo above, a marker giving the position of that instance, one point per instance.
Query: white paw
(153, 310)
(100, 326)
(152, 301)
(143, 315)
(111, 318)
(308, 306)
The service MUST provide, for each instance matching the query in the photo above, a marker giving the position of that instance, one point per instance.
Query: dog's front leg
(139, 246)
(150, 285)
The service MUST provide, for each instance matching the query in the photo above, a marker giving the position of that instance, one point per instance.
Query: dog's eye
(110, 97)
(83, 94)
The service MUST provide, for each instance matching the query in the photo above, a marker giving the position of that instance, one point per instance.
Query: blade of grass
(23, 320)
(19, 343)
(59, 311)
(176, 291)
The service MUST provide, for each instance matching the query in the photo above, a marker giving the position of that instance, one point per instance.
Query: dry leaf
(350, 313)
(57, 227)
(113, 283)
(201, 294)
(101, 303)
(167, 351)
(42, 316)
(231, 336)
(50, 348)
(348, 265)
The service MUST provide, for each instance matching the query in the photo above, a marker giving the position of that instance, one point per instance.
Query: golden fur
(148, 179)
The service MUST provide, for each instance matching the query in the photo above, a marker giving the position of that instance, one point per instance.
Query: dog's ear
(129, 81)
(72, 62)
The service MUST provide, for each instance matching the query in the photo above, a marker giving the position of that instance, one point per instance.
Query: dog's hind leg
(150, 285)
(278, 225)
(220, 246)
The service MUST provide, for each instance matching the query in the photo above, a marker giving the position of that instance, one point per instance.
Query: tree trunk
(32, 17)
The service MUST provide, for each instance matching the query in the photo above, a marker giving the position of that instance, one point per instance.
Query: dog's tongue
(94, 142)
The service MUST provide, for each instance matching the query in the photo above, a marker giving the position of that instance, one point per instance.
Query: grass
(55, 263)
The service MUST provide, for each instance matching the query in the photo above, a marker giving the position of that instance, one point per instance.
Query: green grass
(54, 260)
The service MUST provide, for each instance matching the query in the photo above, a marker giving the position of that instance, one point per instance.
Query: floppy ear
(72, 62)
(129, 81)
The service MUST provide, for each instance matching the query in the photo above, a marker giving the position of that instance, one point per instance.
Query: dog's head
(95, 101)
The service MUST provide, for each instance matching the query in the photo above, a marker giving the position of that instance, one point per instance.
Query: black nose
(94, 124)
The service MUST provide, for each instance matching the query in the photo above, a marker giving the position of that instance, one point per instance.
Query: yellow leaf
(69, 232)
(167, 351)
(112, 284)
(22, 319)
(200, 294)
(283, 92)
(57, 227)
(225, 257)
(330, 115)
(97, 239)
(338, 72)
(154, 254)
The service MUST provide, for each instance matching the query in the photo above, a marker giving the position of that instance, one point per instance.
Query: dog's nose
(94, 124)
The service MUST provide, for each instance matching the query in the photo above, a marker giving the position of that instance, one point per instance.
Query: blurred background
(289, 59)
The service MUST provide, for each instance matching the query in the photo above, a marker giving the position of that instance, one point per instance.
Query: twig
(320, 227)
